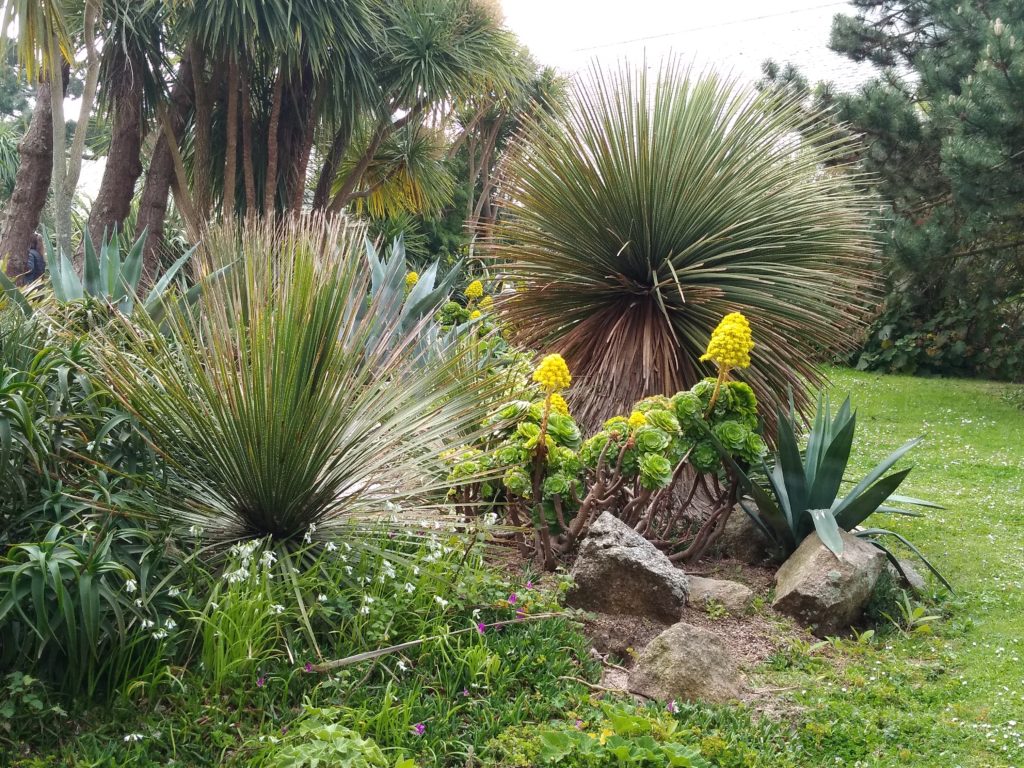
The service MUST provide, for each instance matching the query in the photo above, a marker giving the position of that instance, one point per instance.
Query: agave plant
(805, 490)
(399, 308)
(106, 277)
(645, 211)
(285, 407)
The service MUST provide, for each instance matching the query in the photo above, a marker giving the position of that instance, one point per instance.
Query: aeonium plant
(545, 477)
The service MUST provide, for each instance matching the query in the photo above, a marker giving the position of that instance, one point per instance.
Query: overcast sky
(734, 36)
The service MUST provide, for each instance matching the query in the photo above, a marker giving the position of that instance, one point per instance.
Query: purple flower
(520, 614)
(419, 729)
(512, 599)
(672, 707)
(284, 729)
(529, 585)
(481, 627)
(579, 725)
(465, 692)
(261, 681)
(308, 667)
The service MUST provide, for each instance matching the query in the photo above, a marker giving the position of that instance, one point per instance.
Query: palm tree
(646, 211)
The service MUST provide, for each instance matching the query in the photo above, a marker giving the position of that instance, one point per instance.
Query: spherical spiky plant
(645, 211)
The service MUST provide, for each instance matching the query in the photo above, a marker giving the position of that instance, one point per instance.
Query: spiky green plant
(647, 210)
(276, 413)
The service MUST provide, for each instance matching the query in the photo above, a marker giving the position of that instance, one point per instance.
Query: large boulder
(742, 539)
(619, 572)
(735, 597)
(687, 663)
(826, 592)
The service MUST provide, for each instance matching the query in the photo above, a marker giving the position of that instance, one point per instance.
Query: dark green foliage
(943, 125)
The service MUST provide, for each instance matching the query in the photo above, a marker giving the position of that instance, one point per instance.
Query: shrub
(558, 483)
(648, 210)
(283, 405)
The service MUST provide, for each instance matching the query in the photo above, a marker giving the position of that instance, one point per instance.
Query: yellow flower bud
(552, 373)
(730, 343)
(475, 290)
(636, 420)
(558, 404)
(411, 278)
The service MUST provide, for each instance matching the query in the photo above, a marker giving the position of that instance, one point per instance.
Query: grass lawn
(954, 697)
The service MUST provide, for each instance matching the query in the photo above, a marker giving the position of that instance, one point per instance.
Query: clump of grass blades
(279, 404)
(645, 211)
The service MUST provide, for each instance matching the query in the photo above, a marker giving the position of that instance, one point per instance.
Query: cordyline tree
(943, 131)
(258, 107)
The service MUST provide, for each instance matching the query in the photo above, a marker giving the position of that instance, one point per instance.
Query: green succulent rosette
(705, 457)
(563, 430)
(732, 435)
(650, 439)
(664, 420)
(517, 482)
(655, 471)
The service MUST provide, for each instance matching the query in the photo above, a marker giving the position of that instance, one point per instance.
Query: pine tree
(943, 134)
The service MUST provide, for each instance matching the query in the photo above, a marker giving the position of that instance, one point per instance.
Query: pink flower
(529, 585)
(419, 729)
(261, 681)
(512, 599)
(481, 627)
(579, 725)
(308, 667)
(672, 707)
(465, 692)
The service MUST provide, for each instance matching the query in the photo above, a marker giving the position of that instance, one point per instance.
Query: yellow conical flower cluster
(552, 373)
(411, 278)
(558, 404)
(636, 420)
(474, 290)
(730, 343)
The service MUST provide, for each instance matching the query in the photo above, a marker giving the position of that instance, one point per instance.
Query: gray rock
(826, 592)
(687, 663)
(734, 596)
(620, 636)
(913, 579)
(742, 540)
(619, 572)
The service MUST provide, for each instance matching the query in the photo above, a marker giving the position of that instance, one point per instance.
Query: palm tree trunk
(30, 185)
(231, 143)
(248, 169)
(339, 145)
(61, 201)
(124, 160)
(156, 191)
(203, 191)
(270, 183)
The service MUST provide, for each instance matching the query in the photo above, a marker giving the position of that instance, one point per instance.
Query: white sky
(733, 36)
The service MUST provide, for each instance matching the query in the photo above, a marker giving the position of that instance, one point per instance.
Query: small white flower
(441, 601)
(348, 569)
(321, 598)
(148, 623)
(409, 588)
(173, 592)
(402, 665)
(367, 599)
(138, 602)
(415, 570)
(160, 634)
(277, 608)
(476, 613)
(365, 610)
(133, 737)
(131, 586)
(214, 606)
(196, 531)
(331, 546)
(170, 625)
(268, 558)
(346, 546)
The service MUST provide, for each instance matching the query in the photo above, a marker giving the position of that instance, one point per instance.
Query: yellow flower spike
(486, 302)
(558, 404)
(476, 314)
(636, 420)
(411, 278)
(474, 290)
(552, 373)
(730, 343)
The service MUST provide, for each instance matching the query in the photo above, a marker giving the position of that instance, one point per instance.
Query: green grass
(956, 697)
